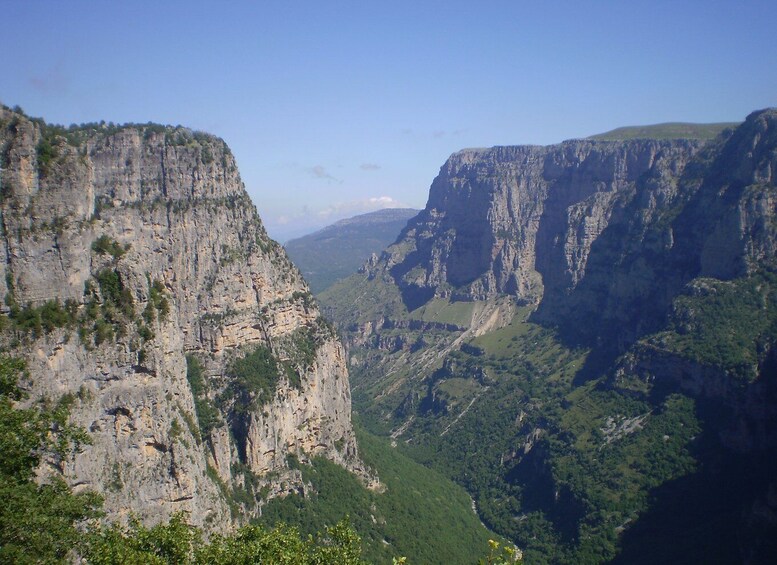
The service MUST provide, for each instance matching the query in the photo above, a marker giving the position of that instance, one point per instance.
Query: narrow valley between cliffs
(568, 356)
(584, 336)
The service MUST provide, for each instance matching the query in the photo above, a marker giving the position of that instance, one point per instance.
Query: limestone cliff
(582, 322)
(598, 238)
(586, 228)
(522, 220)
(129, 252)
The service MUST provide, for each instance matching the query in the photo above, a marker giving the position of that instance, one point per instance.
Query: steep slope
(521, 220)
(131, 254)
(337, 251)
(419, 513)
(582, 335)
(509, 226)
(547, 225)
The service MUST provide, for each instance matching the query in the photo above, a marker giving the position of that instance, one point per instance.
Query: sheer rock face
(175, 200)
(520, 220)
(586, 228)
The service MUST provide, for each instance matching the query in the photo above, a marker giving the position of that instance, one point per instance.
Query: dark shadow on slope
(716, 515)
(413, 296)
(599, 362)
(416, 296)
(634, 268)
(724, 512)
(238, 427)
(539, 492)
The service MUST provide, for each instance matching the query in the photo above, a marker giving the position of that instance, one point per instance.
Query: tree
(178, 543)
(37, 522)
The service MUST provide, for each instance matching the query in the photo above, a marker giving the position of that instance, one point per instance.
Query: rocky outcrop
(746, 411)
(145, 241)
(585, 228)
(597, 237)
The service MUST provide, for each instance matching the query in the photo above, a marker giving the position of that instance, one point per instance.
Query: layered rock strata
(587, 228)
(145, 237)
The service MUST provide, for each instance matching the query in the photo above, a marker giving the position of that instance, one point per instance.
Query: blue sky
(336, 108)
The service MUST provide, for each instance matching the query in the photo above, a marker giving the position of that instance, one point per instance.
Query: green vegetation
(253, 379)
(359, 297)
(176, 542)
(724, 324)
(666, 131)
(108, 309)
(419, 513)
(300, 348)
(58, 142)
(565, 452)
(306, 297)
(231, 255)
(47, 152)
(105, 245)
(44, 523)
(446, 312)
(116, 297)
(37, 320)
(107, 313)
(557, 464)
(158, 305)
(38, 522)
(208, 416)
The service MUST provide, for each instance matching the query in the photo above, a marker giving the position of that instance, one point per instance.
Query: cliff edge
(141, 286)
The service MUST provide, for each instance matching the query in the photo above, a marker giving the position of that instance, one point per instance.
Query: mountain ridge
(612, 335)
(336, 251)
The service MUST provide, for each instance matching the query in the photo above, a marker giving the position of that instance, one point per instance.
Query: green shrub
(145, 332)
(177, 542)
(114, 292)
(253, 379)
(37, 522)
(157, 298)
(105, 245)
(208, 416)
(39, 319)
(47, 152)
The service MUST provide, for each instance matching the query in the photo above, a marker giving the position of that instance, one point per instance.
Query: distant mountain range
(337, 251)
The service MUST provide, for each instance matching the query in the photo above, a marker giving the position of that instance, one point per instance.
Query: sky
(338, 108)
